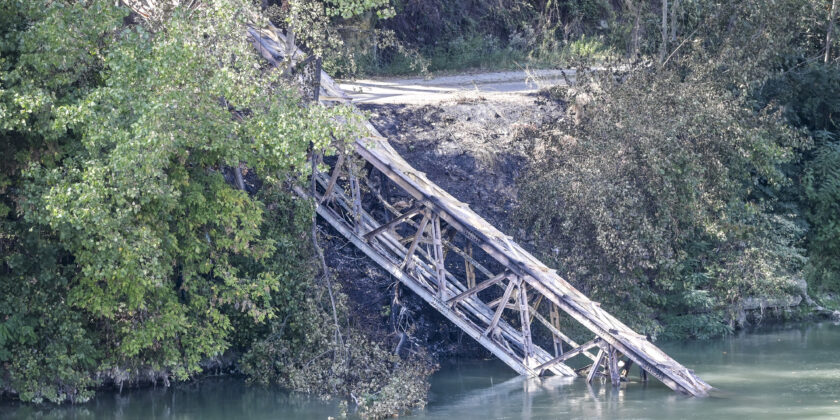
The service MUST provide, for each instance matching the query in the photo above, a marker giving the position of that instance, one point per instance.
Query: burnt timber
(410, 243)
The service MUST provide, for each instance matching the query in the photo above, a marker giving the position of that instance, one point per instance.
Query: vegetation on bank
(685, 190)
(704, 173)
(128, 255)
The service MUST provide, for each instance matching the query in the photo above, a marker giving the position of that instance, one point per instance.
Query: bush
(646, 198)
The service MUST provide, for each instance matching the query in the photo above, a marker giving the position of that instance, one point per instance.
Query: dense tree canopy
(124, 247)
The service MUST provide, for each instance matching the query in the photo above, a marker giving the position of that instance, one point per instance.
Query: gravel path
(418, 91)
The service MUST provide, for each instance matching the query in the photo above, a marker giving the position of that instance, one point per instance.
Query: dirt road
(419, 91)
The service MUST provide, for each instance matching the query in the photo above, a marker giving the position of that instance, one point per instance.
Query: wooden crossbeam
(498, 314)
(569, 354)
(596, 365)
(409, 256)
(334, 178)
(467, 256)
(417, 208)
(475, 289)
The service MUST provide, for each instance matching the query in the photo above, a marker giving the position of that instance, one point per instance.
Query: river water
(780, 373)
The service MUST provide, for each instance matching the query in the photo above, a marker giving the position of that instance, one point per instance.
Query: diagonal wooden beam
(569, 354)
(498, 314)
(333, 178)
(535, 307)
(595, 366)
(409, 255)
(481, 286)
(356, 193)
(417, 208)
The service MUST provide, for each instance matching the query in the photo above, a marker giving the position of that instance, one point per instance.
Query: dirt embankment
(472, 147)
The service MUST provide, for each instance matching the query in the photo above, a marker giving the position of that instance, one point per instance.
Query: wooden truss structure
(512, 304)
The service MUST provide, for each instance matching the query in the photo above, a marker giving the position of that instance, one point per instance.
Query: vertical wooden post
(468, 267)
(554, 318)
(525, 319)
(437, 252)
(615, 376)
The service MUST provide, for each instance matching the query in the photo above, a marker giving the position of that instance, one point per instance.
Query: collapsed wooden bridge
(435, 245)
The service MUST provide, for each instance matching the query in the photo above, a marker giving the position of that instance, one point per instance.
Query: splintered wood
(432, 246)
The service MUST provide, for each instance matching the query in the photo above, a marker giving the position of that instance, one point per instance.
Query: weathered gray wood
(437, 248)
(596, 365)
(498, 314)
(475, 289)
(612, 361)
(525, 321)
(468, 267)
(334, 178)
(417, 208)
(569, 354)
(356, 193)
(417, 237)
(509, 337)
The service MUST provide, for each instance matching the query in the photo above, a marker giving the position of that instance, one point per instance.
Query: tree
(119, 136)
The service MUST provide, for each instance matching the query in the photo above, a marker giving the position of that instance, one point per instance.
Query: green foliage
(810, 98)
(301, 353)
(116, 140)
(645, 199)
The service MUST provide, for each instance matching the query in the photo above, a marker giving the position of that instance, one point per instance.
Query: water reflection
(776, 374)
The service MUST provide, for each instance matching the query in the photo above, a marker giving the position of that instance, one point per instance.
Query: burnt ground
(475, 148)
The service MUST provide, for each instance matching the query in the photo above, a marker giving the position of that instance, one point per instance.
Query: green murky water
(786, 373)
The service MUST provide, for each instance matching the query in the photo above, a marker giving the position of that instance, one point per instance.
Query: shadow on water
(778, 373)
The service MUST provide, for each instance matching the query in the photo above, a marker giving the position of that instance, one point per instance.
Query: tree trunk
(829, 35)
(663, 48)
(674, 6)
(633, 47)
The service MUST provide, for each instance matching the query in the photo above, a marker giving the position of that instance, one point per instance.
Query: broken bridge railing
(431, 243)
